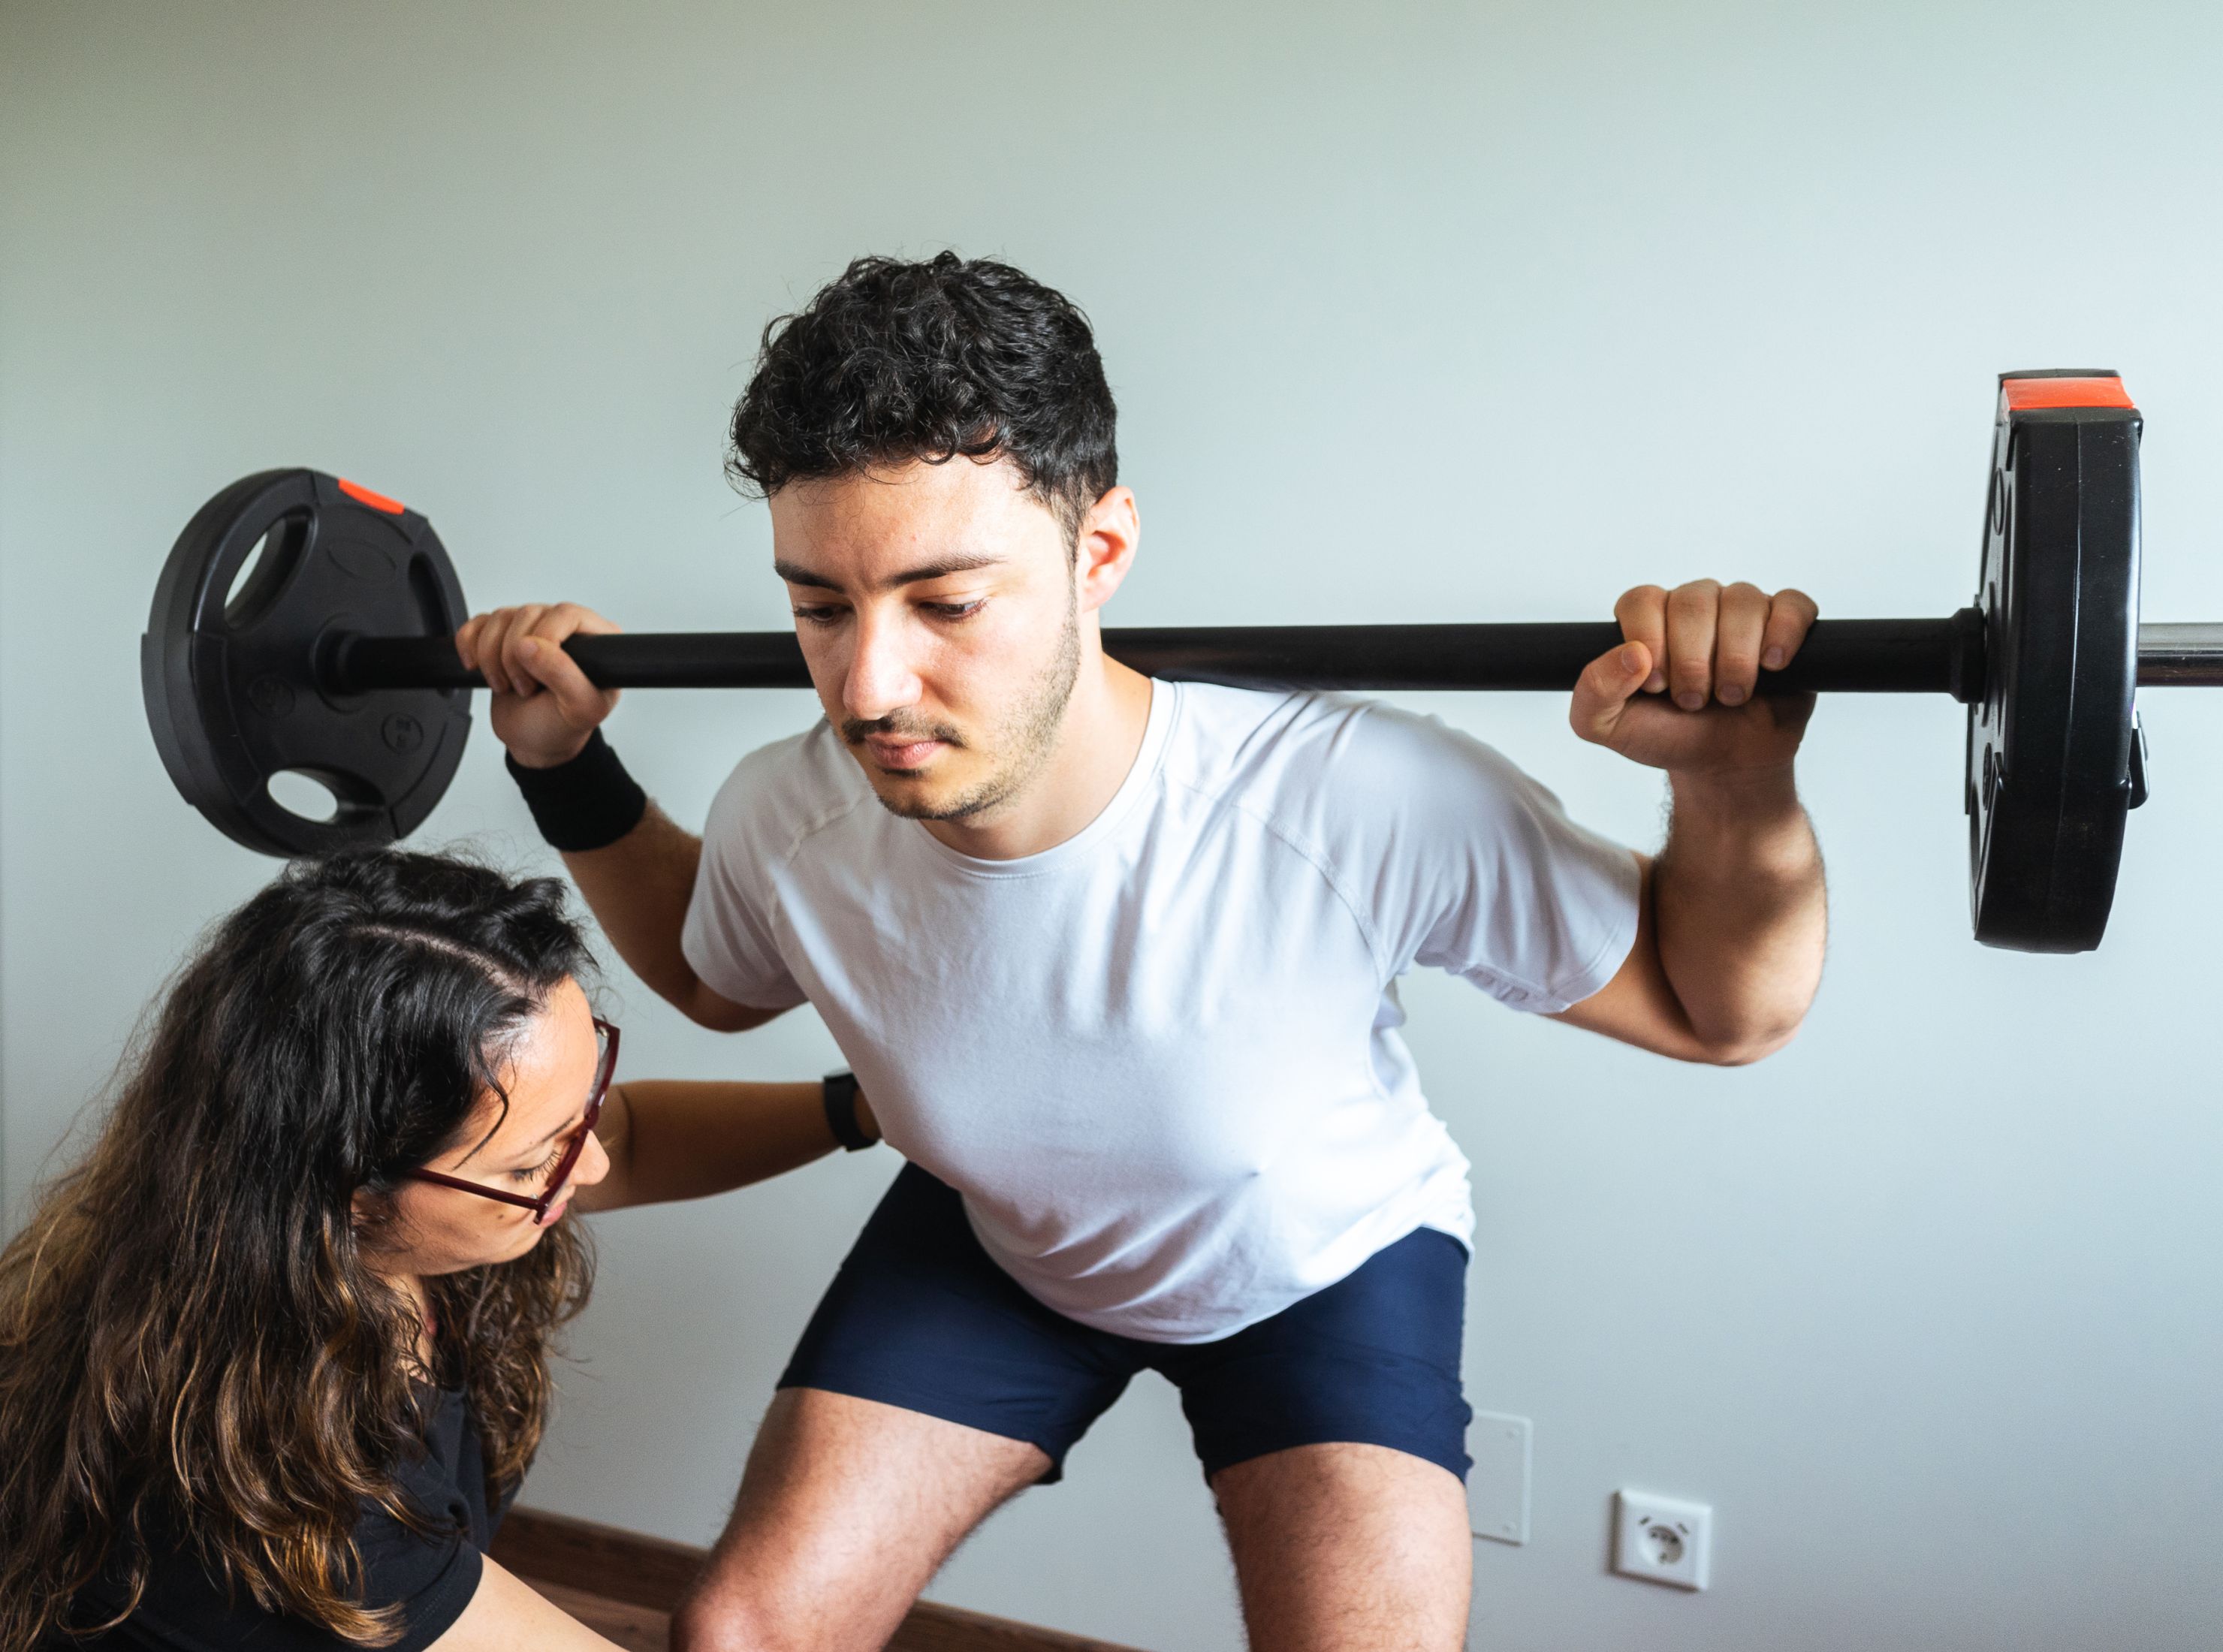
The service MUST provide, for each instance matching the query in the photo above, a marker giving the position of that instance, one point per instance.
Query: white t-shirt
(1160, 1060)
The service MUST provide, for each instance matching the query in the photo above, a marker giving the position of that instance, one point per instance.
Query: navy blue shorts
(921, 1316)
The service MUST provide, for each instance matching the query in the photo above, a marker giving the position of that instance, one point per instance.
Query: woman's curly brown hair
(193, 1347)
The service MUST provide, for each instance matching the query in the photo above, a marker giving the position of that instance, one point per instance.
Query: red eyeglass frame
(540, 1206)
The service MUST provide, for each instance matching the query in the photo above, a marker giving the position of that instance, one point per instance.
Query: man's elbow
(717, 1018)
(1742, 1048)
(706, 1008)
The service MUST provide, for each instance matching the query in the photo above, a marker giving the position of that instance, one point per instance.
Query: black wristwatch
(841, 1111)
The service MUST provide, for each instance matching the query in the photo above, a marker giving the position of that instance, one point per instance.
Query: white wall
(1413, 312)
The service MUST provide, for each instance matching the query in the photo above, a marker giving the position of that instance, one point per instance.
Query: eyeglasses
(540, 1206)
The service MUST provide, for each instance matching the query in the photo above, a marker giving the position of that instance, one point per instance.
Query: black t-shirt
(432, 1579)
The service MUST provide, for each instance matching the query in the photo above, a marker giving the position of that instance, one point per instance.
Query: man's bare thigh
(1348, 1548)
(847, 1509)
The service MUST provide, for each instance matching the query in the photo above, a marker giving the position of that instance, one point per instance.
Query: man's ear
(1104, 546)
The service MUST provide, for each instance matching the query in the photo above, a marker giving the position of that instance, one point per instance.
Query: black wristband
(587, 803)
(841, 1111)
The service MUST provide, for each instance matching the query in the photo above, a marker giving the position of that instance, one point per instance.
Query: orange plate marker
(2022, 395)
(362, 495)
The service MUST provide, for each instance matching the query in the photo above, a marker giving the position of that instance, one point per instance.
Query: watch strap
(841, 1111)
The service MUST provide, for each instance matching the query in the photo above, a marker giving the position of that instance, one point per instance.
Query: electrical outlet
(1662, 1539)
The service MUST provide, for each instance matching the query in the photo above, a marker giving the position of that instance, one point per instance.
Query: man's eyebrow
(795, 573)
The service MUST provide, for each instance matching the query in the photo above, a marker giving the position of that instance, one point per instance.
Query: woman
(274, 1356)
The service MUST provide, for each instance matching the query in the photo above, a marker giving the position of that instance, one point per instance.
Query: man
(1116, 960)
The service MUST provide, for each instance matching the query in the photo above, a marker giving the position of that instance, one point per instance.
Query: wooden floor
(623, 1585)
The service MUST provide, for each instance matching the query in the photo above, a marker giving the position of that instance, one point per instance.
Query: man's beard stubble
(1029, 736)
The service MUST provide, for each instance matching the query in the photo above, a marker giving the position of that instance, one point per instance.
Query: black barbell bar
(1885, 656)
(1839, 656)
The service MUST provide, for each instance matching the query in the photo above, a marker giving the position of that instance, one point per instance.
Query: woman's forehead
(549, 1068)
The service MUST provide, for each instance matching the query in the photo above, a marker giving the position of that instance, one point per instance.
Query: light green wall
(1415, 313)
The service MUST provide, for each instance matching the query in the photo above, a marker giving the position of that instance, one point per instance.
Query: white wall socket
(1662, 1539)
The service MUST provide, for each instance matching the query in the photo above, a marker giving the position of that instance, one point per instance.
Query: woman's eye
(534, 1172)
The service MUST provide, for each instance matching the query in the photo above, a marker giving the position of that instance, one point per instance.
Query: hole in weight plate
(304, 795)
(263, 574)
(246, 572)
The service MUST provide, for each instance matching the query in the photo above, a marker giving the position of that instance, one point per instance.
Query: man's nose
(881, 679)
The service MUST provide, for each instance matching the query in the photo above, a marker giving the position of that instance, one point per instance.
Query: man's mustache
(857, 730)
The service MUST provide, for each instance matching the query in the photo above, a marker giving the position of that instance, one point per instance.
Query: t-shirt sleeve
(432, 1579)
(1475, 868)
(727, 938)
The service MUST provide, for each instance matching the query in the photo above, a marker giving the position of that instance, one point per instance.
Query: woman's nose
(593, 1163)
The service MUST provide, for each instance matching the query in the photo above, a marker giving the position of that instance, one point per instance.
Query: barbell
(303, 623)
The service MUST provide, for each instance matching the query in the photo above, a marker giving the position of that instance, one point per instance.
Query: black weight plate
(230, 676)
(2048, 755)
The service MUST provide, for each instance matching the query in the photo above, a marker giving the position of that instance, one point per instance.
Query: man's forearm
(1742, 912)
(639, 888)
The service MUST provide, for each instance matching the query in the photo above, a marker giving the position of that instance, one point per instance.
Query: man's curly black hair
(896, 360)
